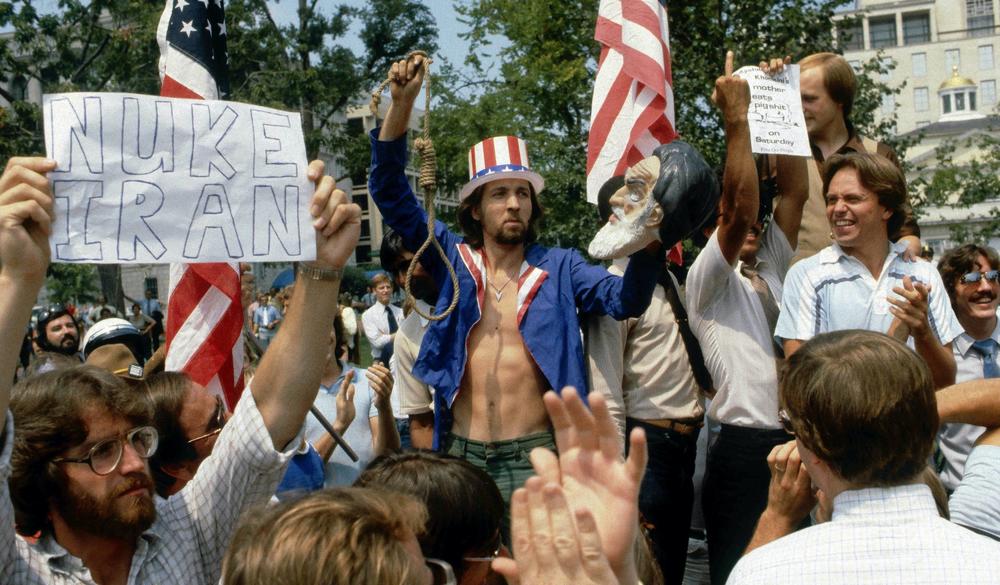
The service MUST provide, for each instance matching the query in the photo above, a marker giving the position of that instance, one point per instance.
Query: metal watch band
(313, 272)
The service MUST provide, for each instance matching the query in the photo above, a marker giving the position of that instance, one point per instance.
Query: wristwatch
(313, 272)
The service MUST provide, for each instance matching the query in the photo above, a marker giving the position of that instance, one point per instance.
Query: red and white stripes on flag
(204, 307)
(632, 111)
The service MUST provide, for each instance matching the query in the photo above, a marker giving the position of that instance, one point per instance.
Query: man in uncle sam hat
(514, 333)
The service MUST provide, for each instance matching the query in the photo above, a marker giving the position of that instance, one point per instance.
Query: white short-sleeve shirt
(726, 315)
(832, 291)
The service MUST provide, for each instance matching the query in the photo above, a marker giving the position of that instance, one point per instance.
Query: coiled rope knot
(427, 181)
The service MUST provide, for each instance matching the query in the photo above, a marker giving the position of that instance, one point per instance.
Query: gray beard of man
(624, 237)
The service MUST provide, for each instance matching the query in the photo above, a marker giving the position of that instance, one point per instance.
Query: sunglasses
(220, 421)
(973, 277)
(442, 572)
(786, 421)
(104, 457)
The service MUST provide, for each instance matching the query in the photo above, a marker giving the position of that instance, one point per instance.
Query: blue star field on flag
(198, 29)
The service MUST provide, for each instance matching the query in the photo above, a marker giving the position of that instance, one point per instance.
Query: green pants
(507, 462)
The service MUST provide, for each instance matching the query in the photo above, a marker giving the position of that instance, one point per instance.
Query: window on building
(919, 61)
(946, 104)
(151, 284)
(888, 104)
(959, 102)
(882, 32)
(366, 229)
(979, 17)
(19, 88)
(362, 200)
(972, 101)
(952, 59)
(921, 99)
(916, 28)
(850, 35)
(988, 92)
(986, 57)
(363, 253)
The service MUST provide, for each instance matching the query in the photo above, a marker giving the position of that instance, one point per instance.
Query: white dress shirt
(877, 536)
(192, 529)
(726, 315)
(376, 325)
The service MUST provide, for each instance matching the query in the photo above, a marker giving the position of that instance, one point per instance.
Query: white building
(927, 39)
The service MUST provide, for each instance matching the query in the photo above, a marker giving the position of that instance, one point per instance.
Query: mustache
(135, 480)
(988, 296)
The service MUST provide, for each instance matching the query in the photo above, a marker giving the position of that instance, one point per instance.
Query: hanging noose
(428, 183)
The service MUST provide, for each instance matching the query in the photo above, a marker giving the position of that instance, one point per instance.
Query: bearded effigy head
(665, 197)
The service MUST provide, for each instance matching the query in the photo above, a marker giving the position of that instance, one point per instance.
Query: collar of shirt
(426, 309)
(896, 505)
(853, 144)
(335, 387)
(60, 560)
(834, 253)
(963, 343)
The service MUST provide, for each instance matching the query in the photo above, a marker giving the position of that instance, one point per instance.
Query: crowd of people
(530, 417)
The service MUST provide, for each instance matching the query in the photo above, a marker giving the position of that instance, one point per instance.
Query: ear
(655, 216)
(476, 214)
(178, 471)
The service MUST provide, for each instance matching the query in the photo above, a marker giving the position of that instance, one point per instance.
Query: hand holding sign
(337, 220)
(25, 219)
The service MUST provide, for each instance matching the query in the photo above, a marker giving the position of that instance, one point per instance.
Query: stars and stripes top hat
(500, 157)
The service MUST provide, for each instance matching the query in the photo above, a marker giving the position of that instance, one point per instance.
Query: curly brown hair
(472, 229)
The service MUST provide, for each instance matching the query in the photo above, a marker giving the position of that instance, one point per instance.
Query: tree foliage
(72, 283)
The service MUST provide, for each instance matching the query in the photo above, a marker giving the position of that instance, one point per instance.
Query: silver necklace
(498, 292)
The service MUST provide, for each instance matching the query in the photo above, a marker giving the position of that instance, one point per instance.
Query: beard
(68, 345)
(624, 237)
(120, 518)
(510, 235)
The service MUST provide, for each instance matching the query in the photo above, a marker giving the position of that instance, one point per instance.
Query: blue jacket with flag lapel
(552, 284)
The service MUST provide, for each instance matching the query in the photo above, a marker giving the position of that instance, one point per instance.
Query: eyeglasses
(973, 277)
(486, 559)
(786, 421)
(104, 457)
(441, 571)
(220, 421)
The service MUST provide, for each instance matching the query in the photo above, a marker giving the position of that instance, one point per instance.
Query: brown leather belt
(684, 427)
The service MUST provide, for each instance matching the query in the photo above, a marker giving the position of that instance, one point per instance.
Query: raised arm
(740, 191)
(25, 226)
(793, 187)
(287, 380)
(407, 78)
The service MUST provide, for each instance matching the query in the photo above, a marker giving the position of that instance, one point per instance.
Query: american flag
(204, 309)
(633, 106)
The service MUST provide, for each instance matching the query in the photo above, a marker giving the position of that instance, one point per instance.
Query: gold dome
(957, 81)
